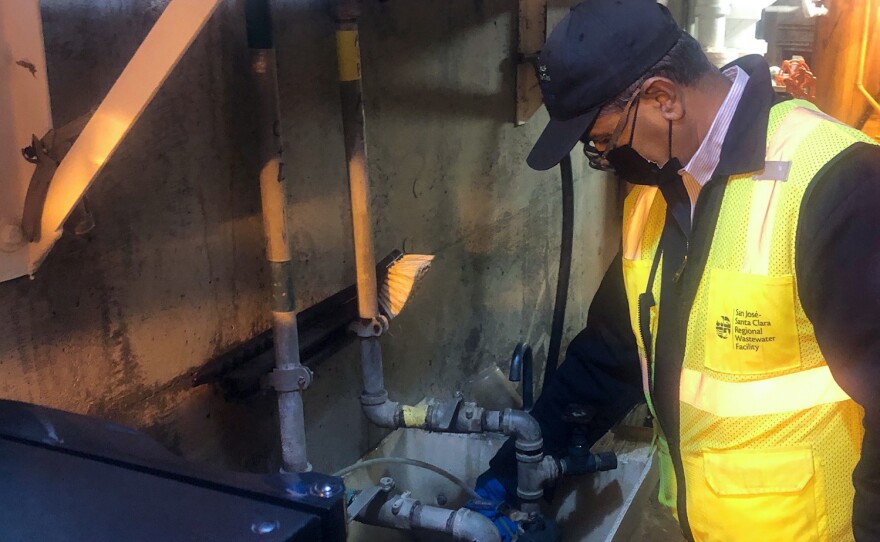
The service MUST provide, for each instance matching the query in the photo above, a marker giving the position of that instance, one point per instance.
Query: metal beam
(135, 88)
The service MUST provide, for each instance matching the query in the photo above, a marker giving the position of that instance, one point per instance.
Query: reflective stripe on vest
(798, 124)
(797, 391)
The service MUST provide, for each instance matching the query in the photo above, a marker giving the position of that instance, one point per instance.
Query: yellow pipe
(860, 83)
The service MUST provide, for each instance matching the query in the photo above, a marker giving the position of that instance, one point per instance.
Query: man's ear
(666, 96)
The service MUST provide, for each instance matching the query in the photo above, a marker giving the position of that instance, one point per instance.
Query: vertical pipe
(274, 205)
(351, 91)
(712, 23)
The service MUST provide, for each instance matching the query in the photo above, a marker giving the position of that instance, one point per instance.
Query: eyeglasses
(597, 159)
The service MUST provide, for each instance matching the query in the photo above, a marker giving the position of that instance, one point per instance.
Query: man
(745, 302)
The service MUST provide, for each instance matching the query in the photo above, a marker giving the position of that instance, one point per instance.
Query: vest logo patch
(722, 327)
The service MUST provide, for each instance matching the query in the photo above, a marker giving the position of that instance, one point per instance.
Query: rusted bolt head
(386, 483)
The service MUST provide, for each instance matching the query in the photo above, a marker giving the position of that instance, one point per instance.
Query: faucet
(521, 369)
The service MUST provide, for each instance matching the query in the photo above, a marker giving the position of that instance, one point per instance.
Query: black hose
(565, 246)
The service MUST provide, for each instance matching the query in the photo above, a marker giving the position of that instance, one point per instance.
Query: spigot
(521, 369)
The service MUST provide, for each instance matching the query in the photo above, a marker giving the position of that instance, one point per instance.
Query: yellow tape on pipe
(349, 55)
(415, 416)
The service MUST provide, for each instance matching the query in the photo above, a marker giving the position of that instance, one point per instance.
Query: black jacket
(837, 260)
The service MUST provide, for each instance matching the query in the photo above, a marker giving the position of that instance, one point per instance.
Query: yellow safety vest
(768, 440)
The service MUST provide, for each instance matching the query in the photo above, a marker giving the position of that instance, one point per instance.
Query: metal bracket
(47, 153)
(296, 379)
(443, 414)
(374, 327)
(366, 497)
(532, 33)
(362, 501)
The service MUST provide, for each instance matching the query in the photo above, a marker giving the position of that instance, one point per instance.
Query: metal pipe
(523, 426)
(405, 513)
(387, 414)
(860, 82)
(351, 93)
(374, 398)
(274, 206)
(532, 470)
(712, 23)
(371, 367)
(470, 526)
(521, 369)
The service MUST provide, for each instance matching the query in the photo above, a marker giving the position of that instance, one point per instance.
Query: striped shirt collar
(704, 162)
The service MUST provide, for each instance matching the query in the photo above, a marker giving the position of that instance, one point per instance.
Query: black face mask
(632, 167)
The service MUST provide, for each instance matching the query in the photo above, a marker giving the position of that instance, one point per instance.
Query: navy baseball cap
(599, 49)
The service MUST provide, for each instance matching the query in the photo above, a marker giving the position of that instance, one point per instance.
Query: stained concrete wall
(115, 322)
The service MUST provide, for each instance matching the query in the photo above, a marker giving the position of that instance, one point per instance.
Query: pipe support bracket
(373, 327)
(296, 379)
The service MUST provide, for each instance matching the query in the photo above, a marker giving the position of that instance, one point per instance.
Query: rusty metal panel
(532, 34)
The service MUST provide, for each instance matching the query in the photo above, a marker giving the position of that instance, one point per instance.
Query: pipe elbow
(470, 526)
(385, 414)
(523, 426)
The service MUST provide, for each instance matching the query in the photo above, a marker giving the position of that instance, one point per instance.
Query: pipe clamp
(372, 327)
(287, 380)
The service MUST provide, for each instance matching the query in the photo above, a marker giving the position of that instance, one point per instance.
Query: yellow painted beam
(145, 73)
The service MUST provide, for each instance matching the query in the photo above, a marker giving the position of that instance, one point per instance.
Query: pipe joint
(370, 327)
(373, 399)
(523, 426)
(532, 475)
(470, 526)
(529, 456)
(387, 414)
(297, 378)
(348, 11)
(471, 419)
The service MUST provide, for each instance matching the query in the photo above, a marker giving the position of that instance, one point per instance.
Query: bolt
(395, 508)
(301, 381)
(386, 483)
(326, 488)
(469, 413)
(441, 499)
(264, 527)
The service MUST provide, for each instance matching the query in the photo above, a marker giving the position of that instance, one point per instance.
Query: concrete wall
(115, 321)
